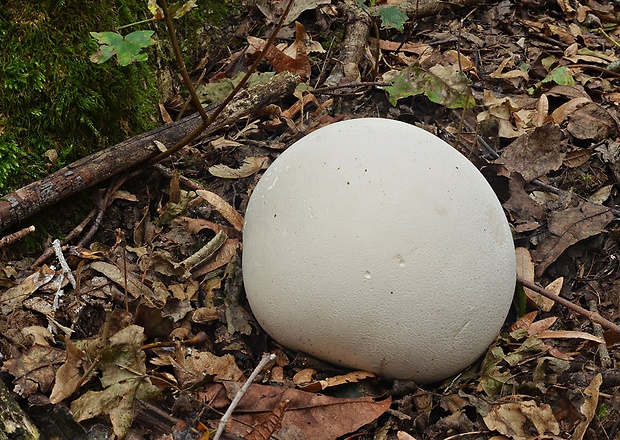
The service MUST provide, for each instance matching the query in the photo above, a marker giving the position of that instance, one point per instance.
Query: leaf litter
(163, 318)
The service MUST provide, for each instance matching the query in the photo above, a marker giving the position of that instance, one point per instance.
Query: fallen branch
(91, 170)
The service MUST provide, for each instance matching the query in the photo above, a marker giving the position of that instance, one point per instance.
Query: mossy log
(86, 172)
(14, 422)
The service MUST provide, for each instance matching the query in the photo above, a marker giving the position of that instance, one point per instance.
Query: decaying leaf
(568, 227)
(34, 369)
(352, 377)
(313, 416)
(588, 407)
(592, 122)
(135, 287)
(534, 154)
(514, 418)
(274, 9)
(14, 296)
(445, 85)
(123, 378)
(69, 375)
(191, 366)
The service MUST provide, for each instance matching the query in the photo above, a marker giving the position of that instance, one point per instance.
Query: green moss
(53, 97)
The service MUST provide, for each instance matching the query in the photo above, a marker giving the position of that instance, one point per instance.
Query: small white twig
(63, 263)
(264, 361)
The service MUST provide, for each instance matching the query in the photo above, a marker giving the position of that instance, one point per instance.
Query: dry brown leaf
(574, 159)
(221, 258)
(569, 334)
(352, 377)
(223, 207)
(520, 204)
(524, 322)
(250, 166)
(69, 375)
(135, 287)
(526, 270)
(36, 368)
(311, 416)
(273, 9)
(281, 62)
(569, 227)
(543, 325)
(191, 366)
(514, 418)
(542, 110)
(592, 122)
(534, 154)
(588, 407)
(13, 297)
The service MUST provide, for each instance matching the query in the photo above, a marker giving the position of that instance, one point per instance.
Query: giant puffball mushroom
(374, 245)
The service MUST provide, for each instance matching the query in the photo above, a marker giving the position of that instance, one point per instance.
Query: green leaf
(392, 18)
(444, 85)
(127, 49)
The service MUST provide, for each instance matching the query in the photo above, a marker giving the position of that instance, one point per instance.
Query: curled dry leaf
(513, 418)
(223, 207)
(251, 165)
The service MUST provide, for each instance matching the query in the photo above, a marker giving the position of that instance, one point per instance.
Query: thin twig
(264, 361)
(594, 317)
(179, 59)
(66, 270)
(5, 241)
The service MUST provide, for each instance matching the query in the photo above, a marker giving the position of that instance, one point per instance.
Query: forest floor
(149, 343)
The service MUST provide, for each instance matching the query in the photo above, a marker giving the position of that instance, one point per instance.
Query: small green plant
(127, 49)
(391, 17)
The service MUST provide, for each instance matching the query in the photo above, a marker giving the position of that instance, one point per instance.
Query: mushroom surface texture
(374, 245)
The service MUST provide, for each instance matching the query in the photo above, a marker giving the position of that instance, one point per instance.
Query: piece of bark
(90, 170)
(425, 8)
(14, 422)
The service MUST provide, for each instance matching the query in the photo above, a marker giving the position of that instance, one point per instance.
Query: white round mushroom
(373, 244)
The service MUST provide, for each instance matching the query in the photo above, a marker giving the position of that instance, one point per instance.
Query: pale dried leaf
(250, 166)
(588, 407)
(223, 207)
